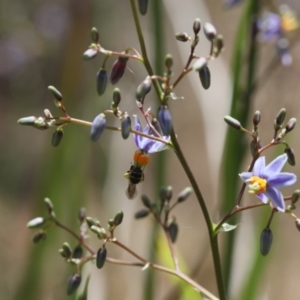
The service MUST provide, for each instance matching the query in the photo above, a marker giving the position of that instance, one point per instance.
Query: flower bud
(169, 61)
(204, 75)
(156, 125)
(210, 31)
(219, 42)
(77, 252)
(82, 214)
(67, 250)
(166, 193)
(182, 37)
(290, 124)
(183, 195)
(146, 201)
(199, 64)
(125, 126)
(143, 89)
(254, 147)
(95, 35)
(233, 122)
(47, 114)
(295, 196)
(141, 214)
(90, 221)
(256, 118)
(165, 120)
(55, 93)
(27, 121)
(36, 222)
(280, 118)
(118, 218)
(57, 137)
(98, 127)
(297, 222)
(49, 204)
(116, 97)
(291, 156)
(197, 26)
(101, 81)
(173, 231)
(143, 6)
(101, 257)
(39, 236)
(266, 239)
(118, 69)
(90, 54)
(73, 283)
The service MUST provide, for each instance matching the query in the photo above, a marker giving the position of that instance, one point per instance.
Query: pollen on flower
(140, 158)
(256, 185)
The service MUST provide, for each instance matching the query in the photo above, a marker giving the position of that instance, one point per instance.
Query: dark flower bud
(57, 137)
(101, 81)
(141, 214)
(101, 257)
(173, 231)
(27, 121)
(143, 89)
(36, 222)
(55, 93)
(82, 214)
(98, 127)
(256, 118)
(197, 26)
(146, 201)
(254, 147)
(77, 252)
(67, 250)
(166, 193)
(233, 122)
(199, 64)
(169, 61)
(118, 69)
(210, 31)
(116, 97)
(295, 196)
(204, 75)
(297, 222)
(125, 126)
(280, 118)
(49, 204)
(95, 35)
(165, 120)
(266, 239)
(219, 42)
(90, 54)
(73, 283)
(118, 218)
(291, 124)
(39, 236)
(291, 156)
(182, 37)
(143, 6)
(183, 195)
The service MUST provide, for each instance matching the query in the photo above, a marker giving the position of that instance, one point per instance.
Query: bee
(135, 174)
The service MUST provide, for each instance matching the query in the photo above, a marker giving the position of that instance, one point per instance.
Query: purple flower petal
(282, 180)
(259, 166)
(263, 198)
(245, 175)
(276, 165)
(276, 198)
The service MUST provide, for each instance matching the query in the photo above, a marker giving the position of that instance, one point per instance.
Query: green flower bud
(36, 222)
(101, 81)
(82, 214)
(256, 118)
(291, 156)
(98, 127)
(295, 196)
(118, 218)
(204, 75)
(169, 61)
(182, 37)
(210, 31)
(55, 93)
(117, 96)
(39, 236)
(197, 26)
(125, 126)
(141, 214)
(166, 193)
(101, 257)
(95, 35)
(90, 221)
(183, 195)
(143, 89)
(290, 124)
(90, 54)
(219, 42)
(49, 204)
(73, 283)
(173, 231)
(233, 122)
(143, 6)
(146, 201)
(67, 249)
(57, 137)
(266, 239)
(280, 118)
(27, 121)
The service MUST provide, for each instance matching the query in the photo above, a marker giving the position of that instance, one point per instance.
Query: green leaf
(226, 227)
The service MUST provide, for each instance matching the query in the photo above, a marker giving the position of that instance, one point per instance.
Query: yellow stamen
(256, 185)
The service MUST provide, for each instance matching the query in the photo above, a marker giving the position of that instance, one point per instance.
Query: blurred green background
(41, 44)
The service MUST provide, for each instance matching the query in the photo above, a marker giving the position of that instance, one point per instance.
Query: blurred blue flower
(146, 144)
(230, 3)
(264, 181)
(269, 26)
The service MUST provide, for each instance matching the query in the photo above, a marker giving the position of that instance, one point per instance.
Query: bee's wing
(131, 191)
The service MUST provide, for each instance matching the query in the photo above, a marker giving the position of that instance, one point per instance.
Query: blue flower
(230, 3)
(269, 26)
(264, 181)
(146, 144)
